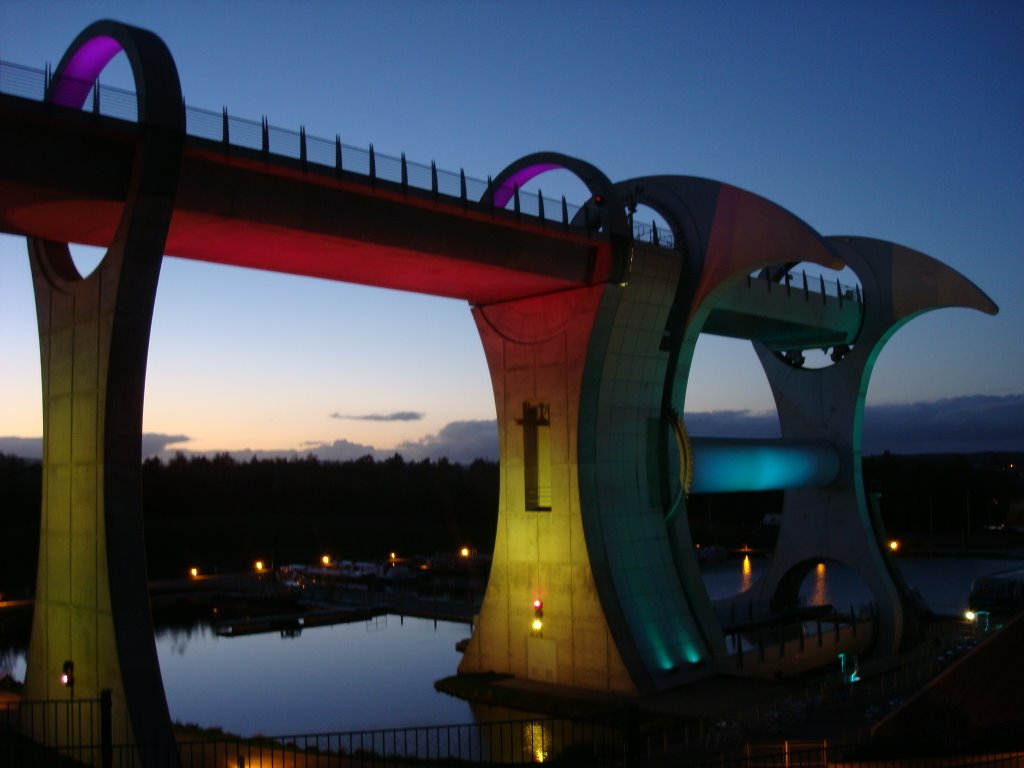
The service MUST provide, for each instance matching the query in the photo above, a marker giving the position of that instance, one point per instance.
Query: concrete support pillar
(834, 522)
(92, 601)
(536, 350)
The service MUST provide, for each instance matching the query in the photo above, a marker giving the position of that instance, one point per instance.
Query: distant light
(820, 569)
(326, 559)
(970, 615)
(259, 565)
(393, 555)
(894, 545)
(193, 572)
(464, 551)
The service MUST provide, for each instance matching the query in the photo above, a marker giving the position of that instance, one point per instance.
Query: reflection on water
(536, 741)
(819, 590)
(748, 574)
(368, 674)
(381, 673)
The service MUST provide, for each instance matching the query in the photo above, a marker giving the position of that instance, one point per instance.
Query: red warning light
(538, 605)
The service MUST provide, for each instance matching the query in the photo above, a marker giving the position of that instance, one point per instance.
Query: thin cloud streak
(395, 416)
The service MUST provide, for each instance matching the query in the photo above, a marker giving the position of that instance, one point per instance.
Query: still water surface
(380, 674)
(360, 676)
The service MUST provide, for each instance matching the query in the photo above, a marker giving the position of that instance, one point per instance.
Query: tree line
(220, 514)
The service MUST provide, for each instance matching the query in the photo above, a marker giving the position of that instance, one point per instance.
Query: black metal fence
(78, 732)
(232, 131)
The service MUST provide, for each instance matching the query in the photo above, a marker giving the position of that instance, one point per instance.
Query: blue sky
(902, 121)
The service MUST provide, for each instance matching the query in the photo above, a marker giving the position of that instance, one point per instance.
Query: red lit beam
(65, 176)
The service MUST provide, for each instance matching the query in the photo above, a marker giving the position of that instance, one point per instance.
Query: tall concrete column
(536, 350)
(834, 522)
(92, 602)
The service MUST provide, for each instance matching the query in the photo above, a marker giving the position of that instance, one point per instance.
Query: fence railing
(331, 154)
(77, 732)
(74, 730)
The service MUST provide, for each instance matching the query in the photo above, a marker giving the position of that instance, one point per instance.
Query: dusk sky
(898, 120)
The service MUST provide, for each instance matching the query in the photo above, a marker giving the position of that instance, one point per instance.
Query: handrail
(121, 104)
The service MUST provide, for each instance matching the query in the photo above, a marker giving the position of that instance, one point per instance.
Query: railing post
(515, 200)
(265, 138)
(565, 213)
(540, 207)
(337, 155)
(96, 97)
(106, 729)
(655, 238)
(433, 179)
(405, 174)
(225, 133)
(302, 146)
(373, 165)
(462, 186)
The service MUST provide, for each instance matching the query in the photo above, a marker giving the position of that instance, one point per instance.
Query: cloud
(25, 447)
(153, 444)
(968, 424)
(395, 416)
(732, 424)
(459, 441)
(157, 444)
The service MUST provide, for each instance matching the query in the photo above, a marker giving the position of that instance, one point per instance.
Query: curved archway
(603, 211)
(92, 599)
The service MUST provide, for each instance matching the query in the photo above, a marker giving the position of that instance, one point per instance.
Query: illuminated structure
(588, 333)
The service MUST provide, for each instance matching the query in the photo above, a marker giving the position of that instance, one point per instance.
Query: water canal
(380, 673)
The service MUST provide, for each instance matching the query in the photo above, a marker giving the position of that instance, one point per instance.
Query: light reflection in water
(748, 574)
(820, 594)
(536, 741)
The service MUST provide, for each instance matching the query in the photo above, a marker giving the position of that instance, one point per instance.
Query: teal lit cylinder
(723, 465)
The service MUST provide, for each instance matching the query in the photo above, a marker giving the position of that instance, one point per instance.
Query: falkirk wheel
(594, 580)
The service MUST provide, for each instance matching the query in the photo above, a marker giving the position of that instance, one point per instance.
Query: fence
(79, 734)
(77, 730)
(332, 154)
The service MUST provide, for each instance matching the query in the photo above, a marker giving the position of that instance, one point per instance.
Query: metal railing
(324, 154)
(804, 285)
(78, 732)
